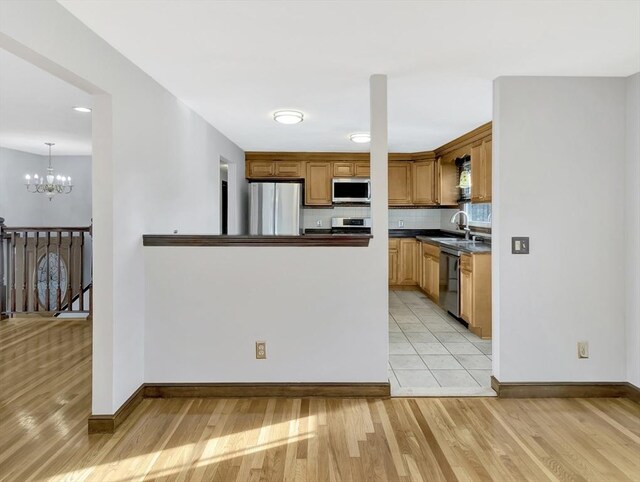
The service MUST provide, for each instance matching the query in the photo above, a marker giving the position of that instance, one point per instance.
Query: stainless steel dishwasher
(449, 280)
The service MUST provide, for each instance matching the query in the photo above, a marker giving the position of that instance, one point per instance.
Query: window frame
(466, 207)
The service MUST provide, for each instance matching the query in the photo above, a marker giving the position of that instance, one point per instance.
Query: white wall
(632, 229)
(559, 158)
(155, 169)
(321, 310)
(22, 208)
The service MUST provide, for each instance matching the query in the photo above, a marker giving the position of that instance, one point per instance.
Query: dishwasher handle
(450, 252)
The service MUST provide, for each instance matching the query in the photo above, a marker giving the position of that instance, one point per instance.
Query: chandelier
(49, 184)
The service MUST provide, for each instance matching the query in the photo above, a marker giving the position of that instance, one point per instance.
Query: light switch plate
(520, 245)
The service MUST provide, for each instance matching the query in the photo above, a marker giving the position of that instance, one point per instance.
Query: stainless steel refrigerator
(275, 208)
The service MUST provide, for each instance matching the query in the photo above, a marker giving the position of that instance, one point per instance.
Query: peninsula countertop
(310, 240)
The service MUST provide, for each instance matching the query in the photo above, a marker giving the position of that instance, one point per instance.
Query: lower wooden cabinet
(408, 261)
(403, 261)
(394, 243)
(475, 293)
(430, 280)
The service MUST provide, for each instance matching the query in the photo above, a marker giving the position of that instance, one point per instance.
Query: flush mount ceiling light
(288, 116)
(360, 137)
(82, 109)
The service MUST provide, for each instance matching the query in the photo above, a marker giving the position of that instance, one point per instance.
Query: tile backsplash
(412, 218)
(419, 218)
(311, 216)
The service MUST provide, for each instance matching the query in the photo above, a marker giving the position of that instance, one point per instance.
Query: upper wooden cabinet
(289, 169)
(362, 169)
(343, 169)
(317, 190)
(424, 176)
(400, 183)
(274, 169)
(351, 169)
(260, 169)
(481, 177)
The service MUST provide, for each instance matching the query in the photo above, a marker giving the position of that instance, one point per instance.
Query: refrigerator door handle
(276, 206)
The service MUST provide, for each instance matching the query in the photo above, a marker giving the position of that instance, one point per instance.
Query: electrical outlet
(319, 223)
(401, 224)
(261, 350)
(583, 349)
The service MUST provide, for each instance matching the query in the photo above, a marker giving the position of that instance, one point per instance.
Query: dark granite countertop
(477, 247)
(193, 240)
(412, 233)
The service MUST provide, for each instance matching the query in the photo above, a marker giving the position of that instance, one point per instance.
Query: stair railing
(45, 270)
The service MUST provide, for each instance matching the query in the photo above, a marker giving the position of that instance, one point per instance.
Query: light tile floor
(433, 354)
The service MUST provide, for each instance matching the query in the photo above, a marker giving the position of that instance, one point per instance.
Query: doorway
(224, 199)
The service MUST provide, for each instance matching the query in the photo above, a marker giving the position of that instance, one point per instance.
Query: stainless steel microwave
(351, 190)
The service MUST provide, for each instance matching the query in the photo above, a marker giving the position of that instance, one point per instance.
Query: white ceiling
(237, 62)
(36, 107)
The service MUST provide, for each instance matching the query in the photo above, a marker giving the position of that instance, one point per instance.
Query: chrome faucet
(467, 231)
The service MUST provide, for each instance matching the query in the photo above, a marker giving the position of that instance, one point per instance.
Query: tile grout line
(446, 319)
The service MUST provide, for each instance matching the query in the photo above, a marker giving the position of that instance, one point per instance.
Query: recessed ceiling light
(360, 137)
(288, 116)
(82, 109)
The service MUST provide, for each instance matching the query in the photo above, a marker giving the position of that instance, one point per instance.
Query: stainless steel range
(350, 225)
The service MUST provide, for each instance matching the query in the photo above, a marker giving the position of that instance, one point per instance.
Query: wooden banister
(42, 269)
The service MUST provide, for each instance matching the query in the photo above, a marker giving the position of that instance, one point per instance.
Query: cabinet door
(447, 183)
(481, 176)
(343, 169)
(261, 169)
(477, 174)
(466, 296)
(399, 183)
(317, 185)
(393, 267)
(488, 178)
(424, 174)
(362, 169)
(426, 275)
(434, 278)
(288, 169)
(408, 261)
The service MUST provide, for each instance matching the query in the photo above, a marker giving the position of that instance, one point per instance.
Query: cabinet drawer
(343, 169)
(362, 169)
(466, 263)
(430, 250)
(394, 244)
(261, 169)
(288, 169)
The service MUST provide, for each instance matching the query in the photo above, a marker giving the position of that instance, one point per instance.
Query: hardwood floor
(45, 402)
